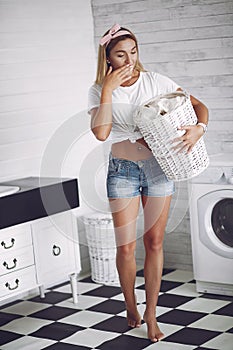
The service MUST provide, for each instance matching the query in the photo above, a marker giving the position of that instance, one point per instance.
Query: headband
(113, 33)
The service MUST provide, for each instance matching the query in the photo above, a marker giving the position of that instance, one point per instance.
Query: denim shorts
(128, 178)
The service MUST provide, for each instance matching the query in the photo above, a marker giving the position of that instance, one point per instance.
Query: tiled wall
(191, 42)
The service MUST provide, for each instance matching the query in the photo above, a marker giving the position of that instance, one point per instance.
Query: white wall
(191, 42)
(47, 63)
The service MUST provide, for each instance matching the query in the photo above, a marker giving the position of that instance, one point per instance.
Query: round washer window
(222, 221)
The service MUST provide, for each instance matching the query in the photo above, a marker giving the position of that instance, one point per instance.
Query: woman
(133, 174)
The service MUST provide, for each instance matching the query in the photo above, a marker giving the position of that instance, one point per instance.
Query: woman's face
(123, 53)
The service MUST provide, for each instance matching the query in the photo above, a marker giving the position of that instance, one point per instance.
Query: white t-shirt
(126, 99)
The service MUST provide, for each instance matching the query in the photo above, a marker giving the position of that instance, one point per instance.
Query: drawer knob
(12, 288)
(56, 250)
(10, 267)
(9, 246)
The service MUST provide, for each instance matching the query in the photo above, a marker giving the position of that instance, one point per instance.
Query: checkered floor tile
(189, 320)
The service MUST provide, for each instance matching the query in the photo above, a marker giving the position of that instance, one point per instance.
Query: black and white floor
(189, 320)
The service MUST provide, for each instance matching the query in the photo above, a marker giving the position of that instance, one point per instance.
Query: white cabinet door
(55, 246)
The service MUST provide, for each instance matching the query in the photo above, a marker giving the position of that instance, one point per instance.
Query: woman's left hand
(186, 142)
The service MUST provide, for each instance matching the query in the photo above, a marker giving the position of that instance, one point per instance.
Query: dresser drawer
(17, 259)
(17, 281)
(15, 237)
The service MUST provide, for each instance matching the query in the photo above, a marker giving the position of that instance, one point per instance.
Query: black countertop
(38, 197)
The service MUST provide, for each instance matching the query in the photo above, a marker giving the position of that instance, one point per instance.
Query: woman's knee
(126, 251)
(154, 243)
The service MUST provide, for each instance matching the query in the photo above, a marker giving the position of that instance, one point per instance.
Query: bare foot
(134, 318)
(153, 331)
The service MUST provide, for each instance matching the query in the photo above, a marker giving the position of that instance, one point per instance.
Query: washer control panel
(215, 175)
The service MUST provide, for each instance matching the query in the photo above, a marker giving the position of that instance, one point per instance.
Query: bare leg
(124, 212)
(155, 217)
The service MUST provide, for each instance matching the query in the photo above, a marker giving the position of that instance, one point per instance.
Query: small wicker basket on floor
(160, 130)
(102, 248)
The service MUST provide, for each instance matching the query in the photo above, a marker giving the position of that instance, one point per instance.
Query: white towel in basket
(164, 104)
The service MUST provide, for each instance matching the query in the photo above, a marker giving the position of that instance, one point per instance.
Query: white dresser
(39, 254)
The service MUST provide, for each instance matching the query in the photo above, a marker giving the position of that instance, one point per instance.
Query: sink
(6, 190)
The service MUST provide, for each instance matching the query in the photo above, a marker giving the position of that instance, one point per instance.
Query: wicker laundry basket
(102, 248)
(159, 131)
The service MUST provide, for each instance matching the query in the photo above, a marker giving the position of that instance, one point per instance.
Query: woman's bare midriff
(126, 149)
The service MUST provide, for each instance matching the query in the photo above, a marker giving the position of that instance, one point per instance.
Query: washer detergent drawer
(215, 216)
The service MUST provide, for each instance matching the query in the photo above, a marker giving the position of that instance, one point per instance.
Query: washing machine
(211, 220)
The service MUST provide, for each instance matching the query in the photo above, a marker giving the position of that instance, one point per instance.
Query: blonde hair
(103, 53)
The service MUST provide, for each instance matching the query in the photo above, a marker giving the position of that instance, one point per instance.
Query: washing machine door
(215, 219)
